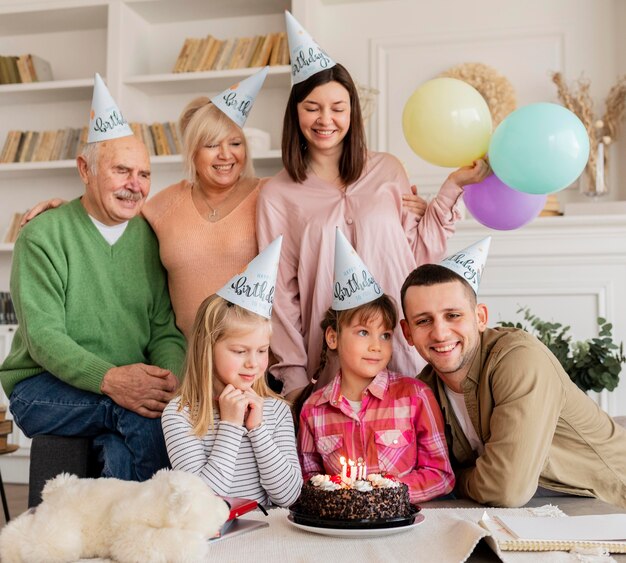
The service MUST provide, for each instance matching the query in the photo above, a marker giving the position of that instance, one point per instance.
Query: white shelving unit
(133, 45)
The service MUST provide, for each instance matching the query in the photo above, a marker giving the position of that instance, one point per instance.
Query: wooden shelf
(209, 81)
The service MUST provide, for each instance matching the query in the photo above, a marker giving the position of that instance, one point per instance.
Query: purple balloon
(495, 205)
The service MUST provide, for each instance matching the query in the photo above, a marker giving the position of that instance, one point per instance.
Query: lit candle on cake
(351, 470)
(344, 469)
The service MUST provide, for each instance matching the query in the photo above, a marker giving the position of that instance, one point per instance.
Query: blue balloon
(539, 149)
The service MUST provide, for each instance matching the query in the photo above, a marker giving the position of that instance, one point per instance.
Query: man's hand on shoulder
(140, 388)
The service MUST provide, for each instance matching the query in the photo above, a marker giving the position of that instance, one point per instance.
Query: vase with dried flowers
(602, 132)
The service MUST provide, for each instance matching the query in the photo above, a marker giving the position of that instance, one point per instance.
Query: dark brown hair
(384, 306)
(294, 146)
(433, 274)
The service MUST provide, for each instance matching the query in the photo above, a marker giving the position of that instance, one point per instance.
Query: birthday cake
(376, 497)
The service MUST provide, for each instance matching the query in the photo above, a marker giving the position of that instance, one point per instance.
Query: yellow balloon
(447, 122)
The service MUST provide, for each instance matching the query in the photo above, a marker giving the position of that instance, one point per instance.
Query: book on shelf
(11, 146)
(27, 140)
(13, 229)
(179, 65)
(191, 54)
(263, 57)
(195, 60)
(227, 51)
(169, 138)
(178, 149)
(7, 311)
(276, 47)
(211, 55)
(24, 69)
(160, 141)
(203, 52)
(533, 533)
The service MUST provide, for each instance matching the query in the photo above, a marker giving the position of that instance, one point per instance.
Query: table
(282, 542)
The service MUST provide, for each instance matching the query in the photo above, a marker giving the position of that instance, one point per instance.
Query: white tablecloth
(447, 535)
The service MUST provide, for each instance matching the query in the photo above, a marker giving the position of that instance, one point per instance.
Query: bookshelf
(134, 45)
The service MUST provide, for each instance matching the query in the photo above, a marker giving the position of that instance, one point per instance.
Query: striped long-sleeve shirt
(260, 464)
(399, 430)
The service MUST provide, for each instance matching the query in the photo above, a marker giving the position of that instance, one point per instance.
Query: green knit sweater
(84, 306)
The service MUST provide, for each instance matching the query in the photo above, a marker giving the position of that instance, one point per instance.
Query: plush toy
(168, 518)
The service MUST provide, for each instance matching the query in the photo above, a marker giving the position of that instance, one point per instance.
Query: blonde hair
(215, 320)
(202, 123)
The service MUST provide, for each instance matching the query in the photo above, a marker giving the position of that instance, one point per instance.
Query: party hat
(307, 57)
(105, 120)
(253, 289)
(354, 285)
(236, 101)
(469, 263)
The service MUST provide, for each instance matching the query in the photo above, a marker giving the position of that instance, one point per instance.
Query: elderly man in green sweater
(97, 352)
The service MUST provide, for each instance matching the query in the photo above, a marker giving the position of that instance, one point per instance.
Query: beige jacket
(537, 426)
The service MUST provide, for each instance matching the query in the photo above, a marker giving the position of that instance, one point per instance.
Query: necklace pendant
(214, 214)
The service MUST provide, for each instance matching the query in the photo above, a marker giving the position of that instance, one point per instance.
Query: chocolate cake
(376, 498)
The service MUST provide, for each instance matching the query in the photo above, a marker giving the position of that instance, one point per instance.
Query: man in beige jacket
(514, 419)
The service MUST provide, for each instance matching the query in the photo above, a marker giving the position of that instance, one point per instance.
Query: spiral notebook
(531, 533)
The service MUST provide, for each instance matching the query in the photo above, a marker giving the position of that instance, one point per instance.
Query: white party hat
(307, 57)
(105, 119)
(254, 288)
(354, 285)
(469, 263)
(236, 101)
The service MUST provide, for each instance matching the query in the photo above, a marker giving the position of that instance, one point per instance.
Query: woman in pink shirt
(330, 180)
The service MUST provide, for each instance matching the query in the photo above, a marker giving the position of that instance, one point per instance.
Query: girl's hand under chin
(233, 405)
(255, 409)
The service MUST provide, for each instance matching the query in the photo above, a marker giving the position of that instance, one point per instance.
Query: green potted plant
(593, 364)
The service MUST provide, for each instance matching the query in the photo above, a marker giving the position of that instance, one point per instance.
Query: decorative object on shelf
(493, 86)
(367, 98)
(602, 132)
(551, 208)
(258, 140)
(593, 364)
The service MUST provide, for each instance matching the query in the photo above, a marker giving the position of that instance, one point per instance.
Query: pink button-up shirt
(388, 238)
(399, 430)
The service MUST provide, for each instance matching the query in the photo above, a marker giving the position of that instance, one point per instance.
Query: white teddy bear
(168, 518)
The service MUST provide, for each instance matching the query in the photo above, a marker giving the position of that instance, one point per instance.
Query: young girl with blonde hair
(226, 425)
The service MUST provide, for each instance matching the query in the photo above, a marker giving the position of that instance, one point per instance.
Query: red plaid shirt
(399, 430)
